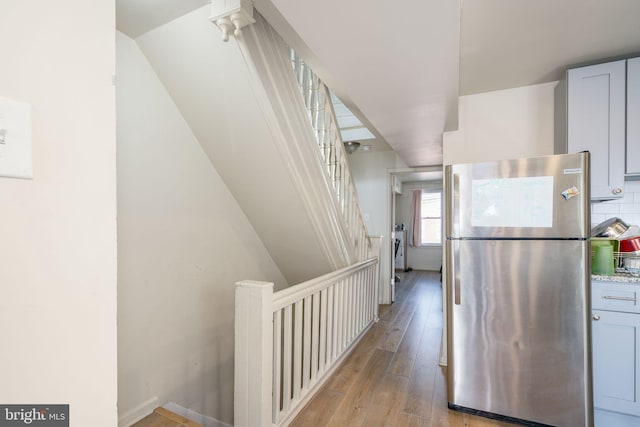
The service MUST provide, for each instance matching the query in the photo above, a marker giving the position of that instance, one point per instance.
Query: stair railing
(289, 342)
(317, 100)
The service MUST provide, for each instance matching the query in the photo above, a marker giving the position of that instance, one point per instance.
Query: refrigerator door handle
(456, 272)
(456, 204)
(456, 289)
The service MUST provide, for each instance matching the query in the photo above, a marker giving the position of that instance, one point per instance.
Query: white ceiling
(397, 65)
(400, 66)
(511, 43)
(136, 17)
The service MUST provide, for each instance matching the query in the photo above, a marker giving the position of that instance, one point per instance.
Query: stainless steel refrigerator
(518, 278)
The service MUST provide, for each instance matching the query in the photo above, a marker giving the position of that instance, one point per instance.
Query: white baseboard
(138, 413)
(194, 416)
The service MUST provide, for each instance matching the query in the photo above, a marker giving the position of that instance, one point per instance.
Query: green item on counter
(603, 260)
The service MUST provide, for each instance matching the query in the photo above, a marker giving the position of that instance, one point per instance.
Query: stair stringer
(278, 94)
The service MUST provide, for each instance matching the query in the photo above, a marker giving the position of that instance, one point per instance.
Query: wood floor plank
(406, 286)
(315, 413)
(352, 410)
(391, 312)
(162, 417)
(155, 420)
(404, 357)
(408, 420)
(441, 415)
(397, 328)
(422, 375)
(351, 368)
(403, 361)
(402, 386)
(387, 400)
(383, 309)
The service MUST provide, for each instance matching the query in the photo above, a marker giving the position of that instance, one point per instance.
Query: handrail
(294, 293)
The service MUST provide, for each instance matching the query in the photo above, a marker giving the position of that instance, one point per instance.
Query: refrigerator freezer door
(540, 197)
(519, 329)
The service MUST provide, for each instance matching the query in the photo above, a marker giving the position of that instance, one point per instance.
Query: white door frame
(424, 173)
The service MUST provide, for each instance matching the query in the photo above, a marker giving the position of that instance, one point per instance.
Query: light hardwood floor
(392, 378)
(164, 418)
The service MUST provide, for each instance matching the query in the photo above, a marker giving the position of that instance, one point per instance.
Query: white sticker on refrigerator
(572, 171)
(512, 202)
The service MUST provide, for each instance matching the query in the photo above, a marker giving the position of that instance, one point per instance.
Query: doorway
(416, 255)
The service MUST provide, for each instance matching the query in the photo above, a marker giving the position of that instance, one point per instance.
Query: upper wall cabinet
(633, 116)
(590, 116)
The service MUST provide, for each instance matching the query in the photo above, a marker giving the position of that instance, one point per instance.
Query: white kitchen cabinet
(615, 337)
(616, 343)
(595, 122)
(633, 116)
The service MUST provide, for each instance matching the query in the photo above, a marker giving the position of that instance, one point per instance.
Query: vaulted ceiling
(400, 66)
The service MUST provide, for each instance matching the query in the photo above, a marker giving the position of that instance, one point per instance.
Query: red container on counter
(630, 245)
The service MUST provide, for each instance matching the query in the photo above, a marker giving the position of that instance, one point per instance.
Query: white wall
(183, 243)
(58, 252)
(418, 257)
(370, 173)
(504, 124)
(210, 83)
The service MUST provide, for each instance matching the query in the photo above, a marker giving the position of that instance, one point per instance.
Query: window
(431, 218)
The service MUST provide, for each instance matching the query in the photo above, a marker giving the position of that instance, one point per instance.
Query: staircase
(287, 343)
(299, 106)
(317, 100)
(245, 107)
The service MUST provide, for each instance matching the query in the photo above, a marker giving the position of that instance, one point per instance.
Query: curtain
(415, 227)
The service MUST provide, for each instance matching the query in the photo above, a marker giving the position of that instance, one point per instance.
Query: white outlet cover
(16, 157)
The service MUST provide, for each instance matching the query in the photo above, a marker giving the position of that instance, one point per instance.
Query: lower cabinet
(616, 344)
(616, 355)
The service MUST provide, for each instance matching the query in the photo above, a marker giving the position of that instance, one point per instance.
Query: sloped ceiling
(400, 66)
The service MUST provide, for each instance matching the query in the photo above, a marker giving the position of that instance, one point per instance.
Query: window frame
(431, 190)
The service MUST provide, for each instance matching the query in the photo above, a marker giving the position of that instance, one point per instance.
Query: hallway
(392, 378)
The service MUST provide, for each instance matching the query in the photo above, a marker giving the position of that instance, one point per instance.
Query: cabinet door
(615, 342)
(633, 116)
(596, 123)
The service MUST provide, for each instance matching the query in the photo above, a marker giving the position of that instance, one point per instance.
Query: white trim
(138, 413)
(443, 359)
(194, 416)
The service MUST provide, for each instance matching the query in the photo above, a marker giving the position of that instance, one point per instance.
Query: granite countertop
(618, 277)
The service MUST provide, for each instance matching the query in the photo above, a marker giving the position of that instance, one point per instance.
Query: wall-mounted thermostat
(16, 159)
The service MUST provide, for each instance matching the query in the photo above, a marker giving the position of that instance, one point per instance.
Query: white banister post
(253, 353)
(376, 247)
